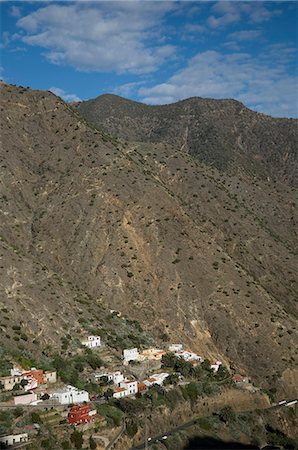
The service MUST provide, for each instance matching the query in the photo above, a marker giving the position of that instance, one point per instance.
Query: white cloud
(128, 89)
(195, 28)
(15, 11)
(67, 97)
(254, 81)
(229, 12)
(5, 39)
(102, 36)
(245, 35)
(2, 74)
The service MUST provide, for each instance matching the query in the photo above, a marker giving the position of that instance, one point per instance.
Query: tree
(222, 373)
(168, 360)
(227, 414)
(109, 393)
(206, 365)
(104, 381)
(77, 439)
(18, 411)
(92, 443)
(192, 391)
(173, 378)
(45, 396)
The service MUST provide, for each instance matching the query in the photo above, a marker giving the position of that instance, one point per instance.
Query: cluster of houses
(78, 399)
(67, 395)
(29, 379)
(156, 354)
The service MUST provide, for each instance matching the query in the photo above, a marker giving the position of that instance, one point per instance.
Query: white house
(160, 377)
(92, 342)
(175, 348)
(216, 365)
(12, 439)
(130, 354)
(131, 385)
(156, 378)
(120, 392)
(70, 394)
(115, 377)
(190, 356)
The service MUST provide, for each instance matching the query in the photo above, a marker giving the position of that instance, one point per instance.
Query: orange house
(37, 374)
(79, 414)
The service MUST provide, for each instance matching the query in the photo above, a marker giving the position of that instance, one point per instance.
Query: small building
(10, 381)
(79, 414)
(92, 341)
(131, 385)
(160, 378)
(13, 439)
(215, 366)
(153, 353)
(156, 378)
(120, 392)
(240, 379)
(69, 395)
(25, 399)
(175, 348)
(115, 377)
(190, 356)
(130, 354)
(150, 381)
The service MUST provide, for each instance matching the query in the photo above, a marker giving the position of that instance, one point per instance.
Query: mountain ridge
(223, 133)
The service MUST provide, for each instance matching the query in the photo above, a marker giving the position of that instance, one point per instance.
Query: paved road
(154, 439)
(284, 403)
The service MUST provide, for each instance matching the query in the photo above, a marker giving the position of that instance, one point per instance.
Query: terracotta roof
(120, 390)
(238, 378)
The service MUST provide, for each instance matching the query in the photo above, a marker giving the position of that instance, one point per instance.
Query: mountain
(194, 253)
(221, 133)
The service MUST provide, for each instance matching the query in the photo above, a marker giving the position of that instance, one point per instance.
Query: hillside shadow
(215, 444)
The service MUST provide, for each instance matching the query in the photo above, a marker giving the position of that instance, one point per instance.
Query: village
(137, 373)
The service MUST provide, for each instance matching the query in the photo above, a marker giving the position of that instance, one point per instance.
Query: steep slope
(221, 133)
(89, 222)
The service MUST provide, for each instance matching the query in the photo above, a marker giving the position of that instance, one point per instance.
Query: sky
(155, 52)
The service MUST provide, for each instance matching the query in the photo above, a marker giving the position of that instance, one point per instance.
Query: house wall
(14, 439)
(25, 399)
(121, 394)
(50, 377)
(130, 354)
(9, 382)
(131, 386)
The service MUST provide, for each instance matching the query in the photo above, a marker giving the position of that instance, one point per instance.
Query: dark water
(214, 444)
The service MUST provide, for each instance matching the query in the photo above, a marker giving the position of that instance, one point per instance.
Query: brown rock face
(192, 252)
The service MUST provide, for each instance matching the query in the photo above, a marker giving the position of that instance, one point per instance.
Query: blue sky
(155, 51)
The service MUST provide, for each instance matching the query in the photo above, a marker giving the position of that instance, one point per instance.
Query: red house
(79, 414)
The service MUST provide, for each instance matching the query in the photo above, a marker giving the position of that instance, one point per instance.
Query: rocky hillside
(221, 133)
(89, 222)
